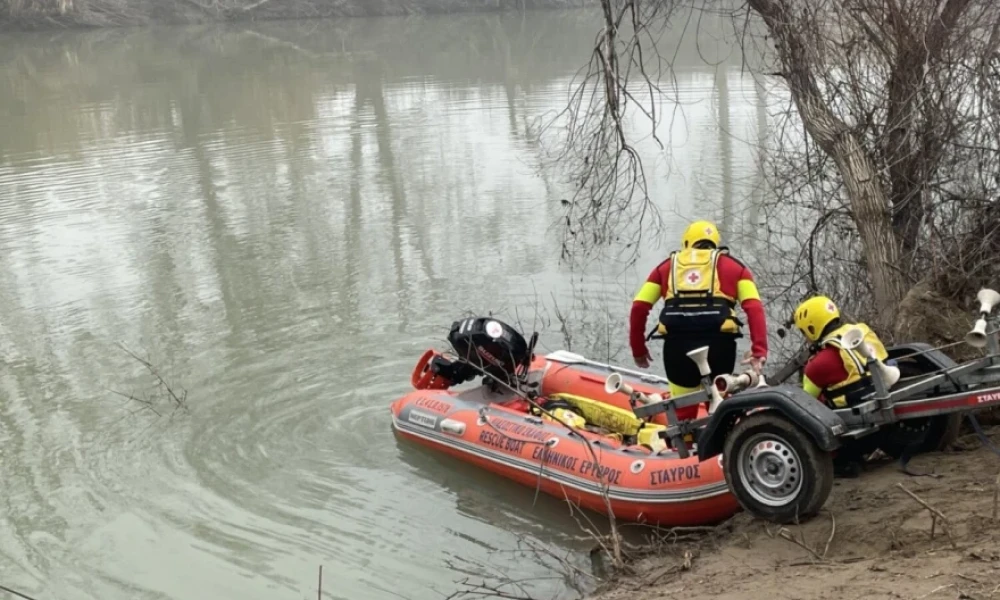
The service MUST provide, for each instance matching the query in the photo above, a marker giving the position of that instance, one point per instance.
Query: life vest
(694, 301)
(858, 383)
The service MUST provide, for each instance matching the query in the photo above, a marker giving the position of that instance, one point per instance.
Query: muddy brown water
(283, 216)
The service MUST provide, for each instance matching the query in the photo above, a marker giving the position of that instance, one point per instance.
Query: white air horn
(730, 384)
(700, 358)
(616, 384)
(987, 300)
(854, 339)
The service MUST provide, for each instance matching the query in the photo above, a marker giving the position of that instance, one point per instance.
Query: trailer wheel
(775, 469)
(928, 434)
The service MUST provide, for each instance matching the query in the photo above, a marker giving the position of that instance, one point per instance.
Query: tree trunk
(868, 200)
(906, 156)
(873, 217)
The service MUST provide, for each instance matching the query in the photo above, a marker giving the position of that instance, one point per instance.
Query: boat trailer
(777, 442)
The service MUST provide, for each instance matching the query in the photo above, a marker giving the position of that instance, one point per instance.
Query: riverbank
(32, 15)
(872, 541)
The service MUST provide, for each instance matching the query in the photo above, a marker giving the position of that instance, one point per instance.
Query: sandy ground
(872, 541)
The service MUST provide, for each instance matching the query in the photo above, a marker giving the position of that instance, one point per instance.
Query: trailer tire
(929, 434)
(775, 470)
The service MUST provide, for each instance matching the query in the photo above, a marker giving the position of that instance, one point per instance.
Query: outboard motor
(485, 347)
(491, 345)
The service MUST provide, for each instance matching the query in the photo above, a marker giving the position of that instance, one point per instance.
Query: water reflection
(284, 215)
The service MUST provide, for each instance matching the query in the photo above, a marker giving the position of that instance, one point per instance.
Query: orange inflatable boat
(548, 422)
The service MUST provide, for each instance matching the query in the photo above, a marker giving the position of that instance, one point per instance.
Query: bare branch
(878, 150)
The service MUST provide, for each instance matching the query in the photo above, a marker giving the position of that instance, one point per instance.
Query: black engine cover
(492, 345)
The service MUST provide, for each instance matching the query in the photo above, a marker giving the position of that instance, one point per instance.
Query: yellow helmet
(813, 315)
(698, 231)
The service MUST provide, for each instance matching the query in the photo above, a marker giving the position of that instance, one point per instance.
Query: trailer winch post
(993, 343)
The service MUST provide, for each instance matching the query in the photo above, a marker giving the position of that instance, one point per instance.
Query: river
(282, 216)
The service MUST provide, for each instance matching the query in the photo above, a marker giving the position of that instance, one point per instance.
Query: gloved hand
(756, 362)
(643, 362)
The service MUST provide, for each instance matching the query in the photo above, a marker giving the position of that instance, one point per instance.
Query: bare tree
(882, 160)
(610, 192)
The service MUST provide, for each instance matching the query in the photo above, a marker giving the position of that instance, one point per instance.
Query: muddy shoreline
(873, 540)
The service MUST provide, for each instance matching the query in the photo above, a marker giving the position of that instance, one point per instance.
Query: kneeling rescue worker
(834, 374)
(700, 285)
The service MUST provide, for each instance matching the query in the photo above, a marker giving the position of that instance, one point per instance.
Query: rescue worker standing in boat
(833, 374)
(700, 285)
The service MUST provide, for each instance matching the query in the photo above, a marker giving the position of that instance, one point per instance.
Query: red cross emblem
(708, 231)
(693, 277)
(830, 307)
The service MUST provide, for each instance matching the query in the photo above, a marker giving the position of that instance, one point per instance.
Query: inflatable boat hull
(587, 380)
(492, 431)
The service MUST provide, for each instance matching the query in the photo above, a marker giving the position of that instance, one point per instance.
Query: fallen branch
(936, 590)
(935, 515)
(685, 565)
(610, 544)
(833, 532)
(830, 563)
(996, 497)
(539, 551)
(785, 534)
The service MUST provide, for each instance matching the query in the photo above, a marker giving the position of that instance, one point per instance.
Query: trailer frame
(786, 425)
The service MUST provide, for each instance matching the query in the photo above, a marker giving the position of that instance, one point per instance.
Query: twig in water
(146, 403)
(538, 551)
(180, 401)
(16, 593)
(319, 592)
(935, 515)
(615, 551)
(482, 590)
